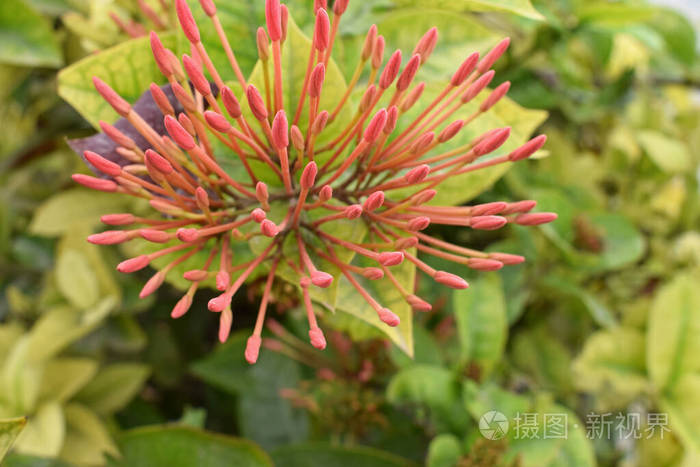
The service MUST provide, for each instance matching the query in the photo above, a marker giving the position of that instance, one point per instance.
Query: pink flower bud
(317, 338)
(181, 306)
(426, 44)
(520, 206)
(263, 44)
(119, 105)
(321, 279)
(280, 129)
(392, 117)
(202, 197)
(535, 218)
(390, 258)
(484, 264)
(368, 97)
(409, 72)
(284, 20)
(186, 123)
(159, 162)
(488, 209)
(320, 122)
(417, 174)
(261, 192)
(223, 279)
(316, 80)
(412, 97)
(528, 149)
(378, 52)
(155, 236)
(464, 69)
(353, 211)
(219, 303)
(297, 138)
(495, 96)
(161, 100)
(369, 42)
(422, 143)
(372, 273)
(424, 197)
(208, 7)
(450, 280)
(195, 275)
(268, 228)
(183, 97)
(152, 284)
(492, 142)
(374, 201)
(418, 303)
(184, 15)
(450, 131)
(375, 126)
(115, 135)
(418, 223)
(161, 57)
(507, 258)
(320, 4)
(273, 17)
(389, 317)
(340, 6)
(404, 243)
(179, 134)
(230, 102)
(99, 184)
(133, 264)
(187, 235)
(477, 86)
(197, 78)
(258, 215)
(118, 219)
(391, 70)
(252, 349)
(103, 165)
(493, 55)
(326, 193)
(225, 321)
(308, 176)
(109, 237)
(321, 30)
(256, 103)
(217, 121)
(487, 222)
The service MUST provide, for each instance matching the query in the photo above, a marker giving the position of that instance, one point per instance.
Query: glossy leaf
(76, 280)
(9, 429)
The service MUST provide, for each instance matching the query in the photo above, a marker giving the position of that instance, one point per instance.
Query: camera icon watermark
(493, 425)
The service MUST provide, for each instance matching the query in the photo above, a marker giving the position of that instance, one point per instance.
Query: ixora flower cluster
(370, 173)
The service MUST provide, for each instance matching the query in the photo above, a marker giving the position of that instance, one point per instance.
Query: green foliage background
(604, 317)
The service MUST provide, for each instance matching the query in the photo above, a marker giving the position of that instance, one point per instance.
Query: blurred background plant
(604, 317)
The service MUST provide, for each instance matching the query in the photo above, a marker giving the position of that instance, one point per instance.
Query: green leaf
(9, 430)
(519, 7)
(601, 314)
(26, 38)
(75, 279)
(432, 387)
(74, 208)
(544, 358)
(23, 460)
(59, 327)
(128, 67)
(185, 447)
(113, 387)
(44, 433)
(63, 377)
(265, 417)
(87, 439)
(444, 451)
(669, 154)
(612, 366)
(482, 326)
(302, 455)
(678, 32)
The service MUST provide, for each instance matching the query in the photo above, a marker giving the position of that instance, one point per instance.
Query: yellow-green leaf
(9, 430)
(75, 279)
(113, 387)
(44, 433)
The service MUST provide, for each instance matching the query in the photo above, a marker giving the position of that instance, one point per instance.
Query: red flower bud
(159, 162)
(208, 7)
(109, 237)
(182, 306)
(118, 219)
(223, 279)
(263, 44)
(535, 218)
(390, 258)
(308, 176)
(374, 201)
(492, 142)
(119, 105)
(464, 69)
(417, 174)
(194, 71)
(450, 131)
(495, 96)
(476, 87)
(273, 17)
(179, 134)
(99, 184)
(189, 26)
(320, 122)
(340, 6)
(418, 223)
(391, 70)
(507, 258)
(280, 129)
(375, 126)
(378, 52)
(230, 102)
(484, 264)
(133, 264)
(258, 215)
(115, 135)
(297, 138)
(256, 103)
(418, 303)
(412, 97)
(317, 338)
(155, 236)
(103, 165)
(369, 42)
(217, 121)
(528, 149)
(326, 193)
(450, 280)
(152, 284)
(488, 209)
(187, 235)
(321, 279)
(161, 57)
(268, 228)
(322, 30)
(161, 100)
(491, 57)
(389, 317)
(372, 273)
(487, 222)
(184, 97)
(195, 275)
(409, 72)
(426, 44)
(353, 211)
(316, 80)
(252, 349)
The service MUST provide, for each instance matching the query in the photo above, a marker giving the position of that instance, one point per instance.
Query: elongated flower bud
(99, 184)
(418, 223)
(450, 131)
(217, 121)
(159, 162)
(108, 237)
(256, 103)
(340, 6)
(252, 349)
(184, 97)
(378, 52)
(450, 280)
(409, 72)
(189, 26)
(297, 138)
(465, 69)
(155, 236)
(353, 211)
(316, 80)
(179, 134)
(197, 78)
(119, 105)
(161, 100)
(390, 258)
(208, 6)
(320, 122)
(367, 97)
(118, 219)
(389, 317)
(284, 20)
(373, 274)
(230, 102)
(527, 149)
(375, 126)
(133, 264)
(478, 85)
(391, 70)
(535, 218)
(426, 44)
(274, 19)
(417, 174)
(495, 96)
(103, 165)
(326, 193)
(412, 97)
(115, 135)
(369, 43)
(160, 55)
(322, 30)
(263, 44)
(280, 130)
(308, 176)
(374, 201)
(493, 55)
